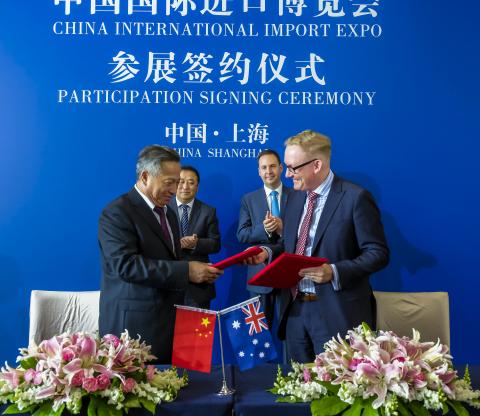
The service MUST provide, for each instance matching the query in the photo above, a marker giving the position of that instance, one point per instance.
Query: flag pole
(225, 390)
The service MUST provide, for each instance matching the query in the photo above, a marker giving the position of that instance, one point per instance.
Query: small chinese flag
(193, 339)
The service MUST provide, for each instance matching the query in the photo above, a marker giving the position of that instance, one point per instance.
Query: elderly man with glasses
(333, 219)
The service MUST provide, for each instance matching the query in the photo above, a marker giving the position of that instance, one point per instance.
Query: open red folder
(237, 258)
(282, 273)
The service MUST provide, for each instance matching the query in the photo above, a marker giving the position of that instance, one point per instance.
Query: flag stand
(225, 390)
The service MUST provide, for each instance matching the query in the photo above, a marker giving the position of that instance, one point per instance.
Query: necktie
(184, 219)
(304, 229)
(163, 224)
(274, 203)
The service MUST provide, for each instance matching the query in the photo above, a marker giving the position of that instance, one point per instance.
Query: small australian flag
(248, 332)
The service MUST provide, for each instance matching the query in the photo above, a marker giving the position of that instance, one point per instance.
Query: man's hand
(321, 274)
(199, 272)
(257, 259)
(272, 224)
(189, 241)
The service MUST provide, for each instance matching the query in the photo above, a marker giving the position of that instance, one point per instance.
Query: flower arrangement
(109, 373)
(378, 373)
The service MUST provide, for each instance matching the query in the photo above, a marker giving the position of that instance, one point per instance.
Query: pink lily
(33, 377)
(45, 393)
(88, 347)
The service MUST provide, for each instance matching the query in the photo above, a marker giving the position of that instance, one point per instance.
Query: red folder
(282, 273)
(237, 258)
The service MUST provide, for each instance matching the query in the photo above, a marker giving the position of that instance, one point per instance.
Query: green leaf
(59, 410)
(458, 408)
(13, 409)
(417, 409)
(369, 410)
(402, 409)
(45, 409)
(355, 409)
(28, 363)
(287, 399)
(444, 409)
(330, 387)
(366, 328)
(103, 409)
(132, 401)
(92, 406)
(328, 406)
(147, 404)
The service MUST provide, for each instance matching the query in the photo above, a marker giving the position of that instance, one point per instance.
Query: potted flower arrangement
(378, 373)
(108, 374)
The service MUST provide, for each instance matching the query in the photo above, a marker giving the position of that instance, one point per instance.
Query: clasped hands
(189, 242)
(272, 224)
(320, 274)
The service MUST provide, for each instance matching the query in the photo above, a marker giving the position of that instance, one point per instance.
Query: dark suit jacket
(250, 230)
(350, 235)
(203, 222)
(141, 277)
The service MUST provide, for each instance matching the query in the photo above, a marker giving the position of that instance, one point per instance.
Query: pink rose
(112, 339)
(90, 384)
(103, 381)
(150, 372)
(77, 379)
(68, 355)
(129, 384)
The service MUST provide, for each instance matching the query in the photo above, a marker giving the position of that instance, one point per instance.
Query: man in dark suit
(142, 274)
(200, 235)
(260, 219)
(337, 220)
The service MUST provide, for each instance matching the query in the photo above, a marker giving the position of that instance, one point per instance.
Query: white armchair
(52, 313)
(427, 312)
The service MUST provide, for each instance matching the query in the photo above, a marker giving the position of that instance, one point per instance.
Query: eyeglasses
(293, 169)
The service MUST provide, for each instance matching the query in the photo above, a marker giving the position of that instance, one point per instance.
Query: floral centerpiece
(378, 373)
(66, 371)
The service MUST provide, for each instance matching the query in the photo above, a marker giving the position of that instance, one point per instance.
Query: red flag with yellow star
(193, 338)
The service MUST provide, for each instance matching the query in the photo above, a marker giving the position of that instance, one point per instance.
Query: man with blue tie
(260, 219)
(333, 219)
(199, 232)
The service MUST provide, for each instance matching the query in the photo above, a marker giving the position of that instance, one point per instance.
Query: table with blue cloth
(200, 396)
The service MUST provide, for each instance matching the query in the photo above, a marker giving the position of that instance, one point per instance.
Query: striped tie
(304, 229)
(184, 219)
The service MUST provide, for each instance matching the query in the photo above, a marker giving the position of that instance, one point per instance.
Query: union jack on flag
(255, 318)
(248, 332)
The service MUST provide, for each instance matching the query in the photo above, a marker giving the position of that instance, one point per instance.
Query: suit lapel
(334, 197)
(295, 207)
(144, 210)
(172, 217)
(174, 206)
(263, 204)
(283, 200)
(196, 208)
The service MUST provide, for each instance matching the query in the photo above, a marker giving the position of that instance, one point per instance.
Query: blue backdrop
(414, 143)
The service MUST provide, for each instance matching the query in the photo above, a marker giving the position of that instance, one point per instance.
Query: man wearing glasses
(337, 220)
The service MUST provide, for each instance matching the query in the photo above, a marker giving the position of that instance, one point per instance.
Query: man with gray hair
(143, 276)
(337, 220)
